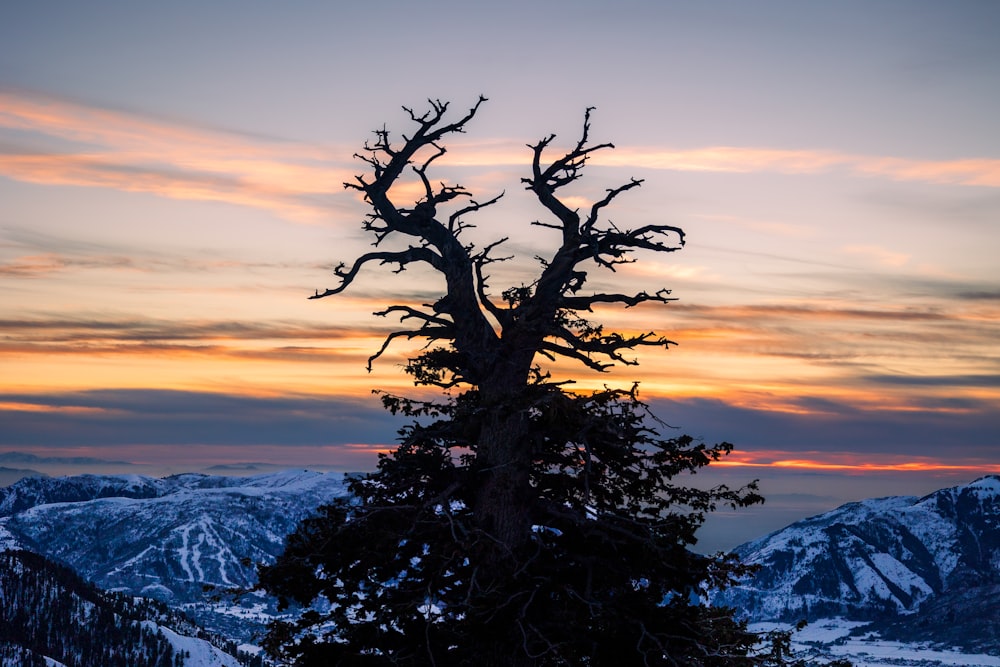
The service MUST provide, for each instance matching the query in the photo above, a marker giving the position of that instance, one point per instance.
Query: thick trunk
(504, 460)
(504, 655)
(503, 511)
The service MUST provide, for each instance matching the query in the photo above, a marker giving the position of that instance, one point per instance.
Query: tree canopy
(518, 522)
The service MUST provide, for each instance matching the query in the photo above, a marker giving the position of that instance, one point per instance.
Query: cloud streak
(281, 342)
(177, 427)
(852, 440)
(980, 172)
(853, 464)
(112, 149)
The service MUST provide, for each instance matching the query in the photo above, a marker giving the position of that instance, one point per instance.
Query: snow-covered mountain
(923, 568)
(50, 617)
(185, 540)
(917, 566)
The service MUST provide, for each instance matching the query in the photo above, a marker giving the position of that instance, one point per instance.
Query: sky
(171, 192)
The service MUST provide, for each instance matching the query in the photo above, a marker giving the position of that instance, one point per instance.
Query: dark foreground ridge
(48, 611)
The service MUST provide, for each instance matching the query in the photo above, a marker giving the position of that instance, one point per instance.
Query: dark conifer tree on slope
(518, 523)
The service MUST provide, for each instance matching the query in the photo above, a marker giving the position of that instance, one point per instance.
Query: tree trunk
(503, 511)
(504, 460)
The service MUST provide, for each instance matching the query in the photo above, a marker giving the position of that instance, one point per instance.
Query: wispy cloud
(59, 142)
(819, 461)
(38, 265)
(964, 171)
(879, 255)
(983, 172)
(177, 418)
(112, 149)
(68, 330)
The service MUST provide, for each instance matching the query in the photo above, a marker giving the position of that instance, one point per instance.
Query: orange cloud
(724, 159)
(983, 172)
(976, 172)
(117, 150)
(821, 461)
(9, 406)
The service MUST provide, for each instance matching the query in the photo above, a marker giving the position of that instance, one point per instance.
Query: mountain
(912, 569)
(50, 616)
(24, 457)
(11, 475)
(915, 567)
(28, 493)
(186, 540)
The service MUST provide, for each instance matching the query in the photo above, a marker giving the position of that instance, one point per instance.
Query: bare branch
(480, 260)
(587, 302)
(455, 224)
(612, 193)
(571, 353)
(413, 313)
(541, 311)
(561, 172)
(402, 258)
(432, 333)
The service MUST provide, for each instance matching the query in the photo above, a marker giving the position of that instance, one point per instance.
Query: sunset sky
(171, 192)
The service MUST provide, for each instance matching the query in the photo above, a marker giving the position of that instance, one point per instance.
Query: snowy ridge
(168, 538)
(879, 559)
(196, 652)
(92, 627)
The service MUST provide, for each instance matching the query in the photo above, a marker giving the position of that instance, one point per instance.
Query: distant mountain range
(185, 540)
(24, 457)
(917, 568)
(914, 569)
(10, 475)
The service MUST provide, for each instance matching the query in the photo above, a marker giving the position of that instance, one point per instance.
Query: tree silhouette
(518, 523)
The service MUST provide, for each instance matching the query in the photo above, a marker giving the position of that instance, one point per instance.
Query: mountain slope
(48, 612)
(179, 539)
(907, 562)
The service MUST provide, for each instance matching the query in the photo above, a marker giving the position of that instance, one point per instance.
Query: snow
(938, 535)
(7, 540)
(875, 652)
(202, 654)
(872, 573)
(986, 486)
(897, 549)
(223, 554)
(184, 553)
(132, 561)
(901, 575)
(158, 591)
(831, 638)
(823, 631)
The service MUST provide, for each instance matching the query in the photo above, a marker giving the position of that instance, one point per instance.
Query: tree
(517, 523)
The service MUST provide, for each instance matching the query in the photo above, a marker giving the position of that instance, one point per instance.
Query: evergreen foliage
(607, 578)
